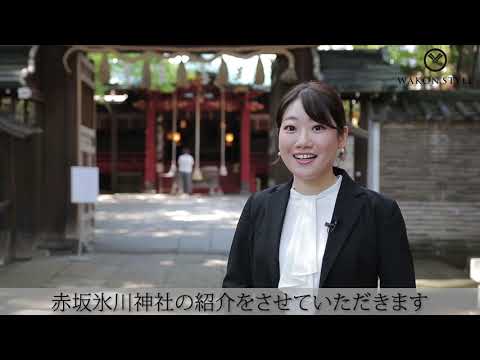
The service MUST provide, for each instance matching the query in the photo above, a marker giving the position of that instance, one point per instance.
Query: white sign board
(84, 184)
(475, 270)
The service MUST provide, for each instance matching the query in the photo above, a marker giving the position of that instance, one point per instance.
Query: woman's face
(307, 148)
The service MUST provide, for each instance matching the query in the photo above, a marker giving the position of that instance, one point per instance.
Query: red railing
(126, 162)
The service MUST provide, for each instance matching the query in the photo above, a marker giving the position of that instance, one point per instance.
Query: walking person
(185, 168)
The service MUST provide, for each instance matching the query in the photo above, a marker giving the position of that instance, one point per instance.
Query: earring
(278, 153)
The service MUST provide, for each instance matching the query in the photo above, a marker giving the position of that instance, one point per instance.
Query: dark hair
(321, 102)
(186, 150)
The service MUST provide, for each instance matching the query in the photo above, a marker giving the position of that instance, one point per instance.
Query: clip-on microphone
(331, 226)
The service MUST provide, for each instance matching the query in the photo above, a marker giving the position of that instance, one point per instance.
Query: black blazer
(368, 242)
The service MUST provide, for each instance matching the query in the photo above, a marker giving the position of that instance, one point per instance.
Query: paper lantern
(176, 137)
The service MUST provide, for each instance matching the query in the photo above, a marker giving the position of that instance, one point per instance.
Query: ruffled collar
(332, 189)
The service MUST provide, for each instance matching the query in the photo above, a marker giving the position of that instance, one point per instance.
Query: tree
(411, 59)
(130, 73)
(468, 64)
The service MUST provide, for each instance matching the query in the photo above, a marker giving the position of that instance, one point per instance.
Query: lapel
(346, 211)
(275, 215)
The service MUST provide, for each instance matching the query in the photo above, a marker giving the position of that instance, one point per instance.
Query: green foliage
(411, 60)
(129, 74)
(100, 88)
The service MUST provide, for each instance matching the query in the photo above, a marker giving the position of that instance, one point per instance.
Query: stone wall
(432, 169)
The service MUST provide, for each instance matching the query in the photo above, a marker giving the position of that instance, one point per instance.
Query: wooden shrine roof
(426, 105)
(16, 128)
(210, 100)
(363, 71)
(13, 58)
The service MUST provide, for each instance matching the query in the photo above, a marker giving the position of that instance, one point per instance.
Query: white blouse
(304, 237)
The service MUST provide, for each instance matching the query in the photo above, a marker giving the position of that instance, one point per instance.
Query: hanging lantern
(229, 137)
(181, 75)
(104, 69)
(289, 76)
(259, 74)
(147, 78)
(222, 78)
(176, 137)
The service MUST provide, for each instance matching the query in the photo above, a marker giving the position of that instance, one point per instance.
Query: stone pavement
(146, 224)
(166, 271)
(165, 242)
(115, 271)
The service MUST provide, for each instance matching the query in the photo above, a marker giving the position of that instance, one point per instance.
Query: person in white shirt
(185, 168)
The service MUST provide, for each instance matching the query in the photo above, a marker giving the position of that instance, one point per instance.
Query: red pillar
(245, 147)
(150, 153)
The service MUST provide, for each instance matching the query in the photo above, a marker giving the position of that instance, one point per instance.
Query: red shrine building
(225, 129)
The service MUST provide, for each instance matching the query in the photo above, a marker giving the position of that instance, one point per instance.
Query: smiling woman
(311, 134)
(320, 229)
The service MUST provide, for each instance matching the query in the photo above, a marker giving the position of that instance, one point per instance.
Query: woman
(320, 229)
